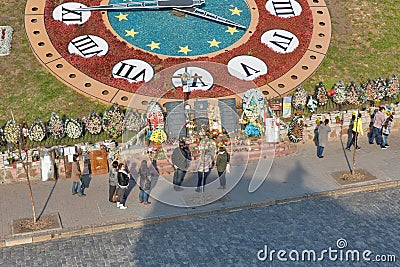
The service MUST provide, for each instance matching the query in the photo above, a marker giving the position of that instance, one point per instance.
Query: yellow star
(231, 30)
(213, 43)
(184, 49)
(131, 33)
(235, 11)
(154, 45)
(122, 16)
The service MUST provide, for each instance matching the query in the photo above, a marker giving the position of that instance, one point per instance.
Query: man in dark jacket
(180, 159)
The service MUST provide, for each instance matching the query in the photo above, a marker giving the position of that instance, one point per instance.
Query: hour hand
(208, 15)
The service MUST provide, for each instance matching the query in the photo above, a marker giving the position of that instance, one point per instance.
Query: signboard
(276, 106)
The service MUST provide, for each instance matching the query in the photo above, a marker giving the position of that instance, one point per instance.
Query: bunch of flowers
(352, 94)
(37, 131)
(381, 89)
(393, 86)
(252, 130)
(5, 41)
(370, 90)
(93, 123)
(56, 126)
(321, 94)
(11, 132)
(113, 121)
(299, 98)
(191, 125)
(158, 136)
(133, 121)
(295, 130)
(73, 128)
(340, 93)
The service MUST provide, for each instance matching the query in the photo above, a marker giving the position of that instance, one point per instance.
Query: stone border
(96, 229)
(80, 82)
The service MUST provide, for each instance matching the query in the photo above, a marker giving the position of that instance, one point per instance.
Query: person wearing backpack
(222, 164)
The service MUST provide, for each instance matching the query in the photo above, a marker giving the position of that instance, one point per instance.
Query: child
(387, 126)
(144, 183)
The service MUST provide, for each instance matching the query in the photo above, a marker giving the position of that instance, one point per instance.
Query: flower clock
(73, 128)
(108, 49)
(37, 131)
(56, 126)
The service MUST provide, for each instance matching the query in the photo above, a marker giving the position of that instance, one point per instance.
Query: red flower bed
(99, 68)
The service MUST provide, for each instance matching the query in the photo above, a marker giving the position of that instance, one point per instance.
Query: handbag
(147, 184)
(115, 196)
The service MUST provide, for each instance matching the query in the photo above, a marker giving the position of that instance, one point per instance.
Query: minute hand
(208, 15)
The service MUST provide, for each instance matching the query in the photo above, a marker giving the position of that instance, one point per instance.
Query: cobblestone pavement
(367, 221)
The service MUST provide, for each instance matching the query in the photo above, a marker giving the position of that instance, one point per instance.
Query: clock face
(109, 55)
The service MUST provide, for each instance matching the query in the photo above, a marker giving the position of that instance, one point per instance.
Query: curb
(96, 229)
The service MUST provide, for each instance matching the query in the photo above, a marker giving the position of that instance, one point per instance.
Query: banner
(287, 107)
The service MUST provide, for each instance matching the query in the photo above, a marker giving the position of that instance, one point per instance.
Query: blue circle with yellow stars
(172, 33)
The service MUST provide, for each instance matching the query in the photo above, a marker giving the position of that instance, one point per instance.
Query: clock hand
(157, 4)
(208, 15)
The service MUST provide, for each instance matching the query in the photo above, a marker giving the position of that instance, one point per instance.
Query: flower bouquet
(352, 94)
(295, 131)
(56, 126)
(340, 93)
(37, 131)
(252, 130)
(299, 98)
(113, 121)
(11, 132)
(393, 86)
(73, 128)
(158, 136)
(321, 94)
(93, 123)
(370, 90)
(381, 89)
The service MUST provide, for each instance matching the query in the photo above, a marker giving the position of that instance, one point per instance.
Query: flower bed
(99, 68)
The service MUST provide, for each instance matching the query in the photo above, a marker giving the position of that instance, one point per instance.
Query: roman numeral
(283, 8)
(127, 71)
(71, 15)
(282, 41)
(86, 46)
(194, 83)
(247, 69)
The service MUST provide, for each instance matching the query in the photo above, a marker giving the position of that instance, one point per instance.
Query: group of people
(380, 127)
(181, 157)
(121, 183)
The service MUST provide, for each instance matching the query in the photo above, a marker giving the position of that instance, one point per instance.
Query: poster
(287, 107)
(272, 131)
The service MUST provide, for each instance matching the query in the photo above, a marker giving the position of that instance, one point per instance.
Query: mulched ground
(46, 222)
(346, 178)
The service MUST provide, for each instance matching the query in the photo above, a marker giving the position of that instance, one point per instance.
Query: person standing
(379, 119)
(203, 168)
(350, 131)
(144, 183)
(387, 127)
(222, 163)
(112, 180)
(357, 130)
(123, 182)
(76, 176)
(180, 159)
(323, 132)
(86, 174)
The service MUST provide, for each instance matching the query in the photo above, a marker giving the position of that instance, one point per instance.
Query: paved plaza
(363, 221)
